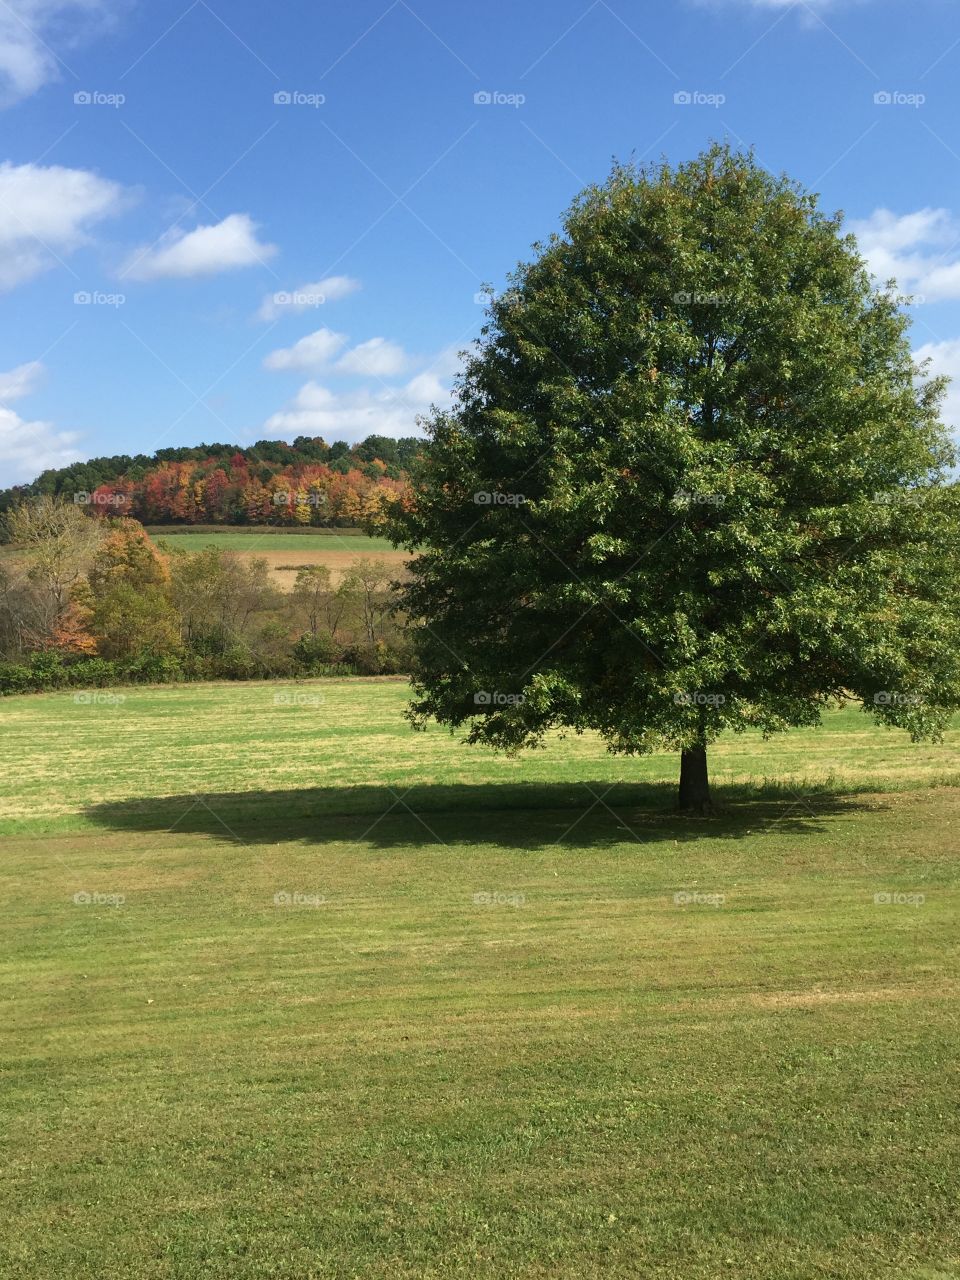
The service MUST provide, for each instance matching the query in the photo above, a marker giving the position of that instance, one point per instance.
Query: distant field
(291, 991)
(256, 531)
(253, 543)
(285, 551)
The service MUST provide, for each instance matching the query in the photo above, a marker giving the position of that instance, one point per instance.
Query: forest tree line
(307, 483)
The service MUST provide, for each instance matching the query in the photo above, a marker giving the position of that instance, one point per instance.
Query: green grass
(256, 530)
(273, 540)
(576, 1076)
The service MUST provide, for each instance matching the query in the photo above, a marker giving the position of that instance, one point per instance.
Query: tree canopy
(692, 482)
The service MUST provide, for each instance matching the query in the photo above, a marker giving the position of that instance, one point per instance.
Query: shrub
(15, 678)
(315, 649)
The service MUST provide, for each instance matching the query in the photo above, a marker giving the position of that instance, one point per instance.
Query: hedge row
(47, 671)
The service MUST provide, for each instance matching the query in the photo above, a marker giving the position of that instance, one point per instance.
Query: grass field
(286, 551)
(341, 1000)
(255, 542)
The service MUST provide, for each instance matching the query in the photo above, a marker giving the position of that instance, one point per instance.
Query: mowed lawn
(291, 991)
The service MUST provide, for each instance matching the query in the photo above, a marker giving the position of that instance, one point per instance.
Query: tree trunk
(694, 792)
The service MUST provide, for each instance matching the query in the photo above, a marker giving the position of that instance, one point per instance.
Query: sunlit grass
(291, 991)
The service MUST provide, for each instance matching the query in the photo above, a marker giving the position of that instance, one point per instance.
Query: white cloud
(27, 448)
(377, 358)
(919, 250)
(312, 352)
(352, 415)
(945, 359)
(18, 382)
(204, 251)
(316, 410)
(29, 31)
(428, 388)
(46, 213)
(306, 296)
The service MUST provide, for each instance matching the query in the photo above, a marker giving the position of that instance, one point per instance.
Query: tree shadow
(527, 815)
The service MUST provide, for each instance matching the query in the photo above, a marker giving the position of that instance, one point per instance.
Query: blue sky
(280, 216)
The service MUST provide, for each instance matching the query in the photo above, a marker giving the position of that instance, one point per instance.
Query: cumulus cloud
(352, 415)
(312, 352)
(27, 448)
(376, 358)
(205, 251)
(30, 30)
(19, 381)
(918, 250)
(306, 296)
(944, 358)
(46, 213)
(317, 410)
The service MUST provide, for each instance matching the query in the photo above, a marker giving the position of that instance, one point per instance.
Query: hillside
(271, 482)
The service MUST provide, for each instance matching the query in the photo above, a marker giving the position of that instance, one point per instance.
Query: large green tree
(692, 483)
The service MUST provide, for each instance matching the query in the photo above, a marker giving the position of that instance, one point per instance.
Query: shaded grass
(275, 741)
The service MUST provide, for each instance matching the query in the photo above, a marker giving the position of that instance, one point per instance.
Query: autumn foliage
(308, 483)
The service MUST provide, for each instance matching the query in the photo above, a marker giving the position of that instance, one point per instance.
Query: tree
(26, 620)
(127, 597)
(129, 621)
(313, 599)
(127, 554)
(370, 616)
(220, 596)
(367, 590)
(57, 542)
(692, 482)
